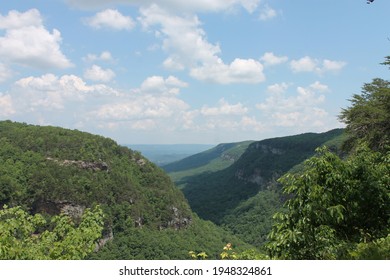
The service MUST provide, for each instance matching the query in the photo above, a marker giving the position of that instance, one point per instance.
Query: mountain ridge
(222, 195)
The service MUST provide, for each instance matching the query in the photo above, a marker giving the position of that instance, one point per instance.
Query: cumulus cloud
(147, 107)
(277, 89)
(27, 42)
(329, 65)
(308, 64)
(174, 5)
(224, 108)
(300, 110)
(188, 48)
(96, 73)
(104, 56)
(5, 73)
(157, 84)
(269, 59)
(304, 64)
(6, 106)
(111, 19)
(267, 13)
(239, 71)
(50, 92)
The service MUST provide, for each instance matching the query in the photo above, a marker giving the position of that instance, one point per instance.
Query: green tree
(368, 117)
(22, 237)
(334, 205)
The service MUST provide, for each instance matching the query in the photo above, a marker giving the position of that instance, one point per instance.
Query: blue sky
(174, 71)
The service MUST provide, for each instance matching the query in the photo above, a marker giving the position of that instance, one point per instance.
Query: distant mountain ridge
(214, 159)
(226, 196)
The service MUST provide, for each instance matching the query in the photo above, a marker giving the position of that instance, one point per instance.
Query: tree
(22, 237)
(334, 206)
(368, 117)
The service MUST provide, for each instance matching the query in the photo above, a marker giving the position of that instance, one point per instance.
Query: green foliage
(21, 237)
(44, 169)
(167, 244)
(229, 253)
(378, 249)
(367, 119)
(213, 195)
(334, 205)
(251, 220)
(212, 160)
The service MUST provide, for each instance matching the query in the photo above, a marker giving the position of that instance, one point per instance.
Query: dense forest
(54, 171)
(66, 194)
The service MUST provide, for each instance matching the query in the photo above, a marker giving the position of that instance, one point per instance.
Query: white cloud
(6, 106)
(300, 110)
(317, 86)
(277, 88)
(224, 108)
(17, 20)
(182, 36)
(52, 93)
(27, 42)
(308, 64)
(153, 104)
(111, 19)
(267, 13)
(96, 73)
(188, 48)
(239, 71)
(174, 5)
(157, 84)
(304, 64)
(334, 66)
(5, 73)
(270, 59)
(104, 56)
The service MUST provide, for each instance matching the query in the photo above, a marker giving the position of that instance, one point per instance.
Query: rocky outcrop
(268, 149)
(95, 166)
(103, 241)
(178, 221)
(57, 207)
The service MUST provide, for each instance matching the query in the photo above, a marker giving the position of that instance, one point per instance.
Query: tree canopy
(335, 204)
(367, 119)
(24, 237)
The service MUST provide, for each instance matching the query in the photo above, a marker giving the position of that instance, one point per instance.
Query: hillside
(243, 196)
(52, 170)
(212, 160)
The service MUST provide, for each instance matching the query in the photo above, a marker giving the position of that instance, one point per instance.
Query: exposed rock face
(106, 238)
(95, 166)
(268, 149)
(74, 211)
(177, 222)
(60, 207)
(228, 157)
(139, 222)
(255, 178)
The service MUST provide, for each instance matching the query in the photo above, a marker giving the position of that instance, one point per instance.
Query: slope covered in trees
(50, 170)
(213, 195)
(212, 160)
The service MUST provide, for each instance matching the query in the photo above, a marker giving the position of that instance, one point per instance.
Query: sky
(175, 71)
